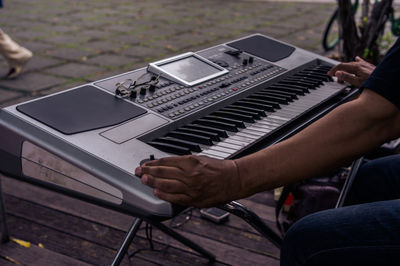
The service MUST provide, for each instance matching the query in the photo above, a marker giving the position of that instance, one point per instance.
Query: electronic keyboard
(224, 102)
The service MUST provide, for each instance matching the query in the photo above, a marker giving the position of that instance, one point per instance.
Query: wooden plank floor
(73, 232)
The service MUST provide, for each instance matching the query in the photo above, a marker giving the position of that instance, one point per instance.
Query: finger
(350, 78)
(334, 69)
(351, 68)
(359, 59)
(180, 199)
(162, 171)
(166, 161)
(165, 185)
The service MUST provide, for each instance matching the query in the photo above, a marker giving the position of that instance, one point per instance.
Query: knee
(298, 241)
(381, 176)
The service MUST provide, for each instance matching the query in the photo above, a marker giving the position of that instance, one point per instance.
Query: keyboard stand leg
(184, 240)
(127, 241)
(163, 228)
(253, 220)
(4, 229)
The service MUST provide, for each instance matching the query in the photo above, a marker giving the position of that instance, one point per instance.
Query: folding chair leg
(127, 241)
(349, 182)
(4, 229)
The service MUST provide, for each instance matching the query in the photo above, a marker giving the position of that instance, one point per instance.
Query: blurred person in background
(15, 55)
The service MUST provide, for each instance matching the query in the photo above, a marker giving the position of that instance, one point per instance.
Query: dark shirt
(385, 80)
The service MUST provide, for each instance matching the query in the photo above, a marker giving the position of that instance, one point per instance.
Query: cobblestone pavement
(76, 42)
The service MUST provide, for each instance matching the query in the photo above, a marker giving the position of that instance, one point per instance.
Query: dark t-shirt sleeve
(385, 80)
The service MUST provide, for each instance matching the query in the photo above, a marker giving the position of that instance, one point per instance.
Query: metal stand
(127, 241)
(253, 220)
(135, 227)
(349, 182)
(4, 229)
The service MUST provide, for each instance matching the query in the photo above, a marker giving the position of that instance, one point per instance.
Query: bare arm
(338, 138)
(344, 134)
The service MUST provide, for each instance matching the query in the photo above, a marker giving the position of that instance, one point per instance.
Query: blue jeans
(364, 234)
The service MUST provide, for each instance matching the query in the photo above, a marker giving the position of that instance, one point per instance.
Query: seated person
(367, 233)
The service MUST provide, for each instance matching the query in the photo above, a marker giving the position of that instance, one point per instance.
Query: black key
(289, 95)
(259, 111)
(316, 70)
(323, 68)
(323, 77)
(275, 105)
(285, 98)
(237, 110)
(319, 69)
(300, 87)
(184, 143)
(265, 96)
(308, 80)
(213, 136)
(221, 133)
(234, 115)
(170, 148)
(250, 104)
(237, 123)
(317, 74)
(286, 88)
(191, 137)
(298, 83)
(225, 126)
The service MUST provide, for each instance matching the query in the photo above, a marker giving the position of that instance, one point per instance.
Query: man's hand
(197, 181)
(354, 73)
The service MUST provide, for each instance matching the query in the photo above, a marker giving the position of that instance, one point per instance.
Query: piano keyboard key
(234, 127)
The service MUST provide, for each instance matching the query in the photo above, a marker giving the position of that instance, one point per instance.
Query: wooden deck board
(34, 255)
(92, 234)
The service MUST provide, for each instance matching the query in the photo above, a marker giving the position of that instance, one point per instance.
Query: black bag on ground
(310, 196)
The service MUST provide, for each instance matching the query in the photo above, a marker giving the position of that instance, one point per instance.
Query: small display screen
(189, 69)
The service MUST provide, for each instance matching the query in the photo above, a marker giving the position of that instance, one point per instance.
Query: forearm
(346, 133)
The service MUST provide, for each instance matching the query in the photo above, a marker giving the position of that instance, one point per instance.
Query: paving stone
(128, 39)
(94, 23)
(74, 70)
(120, 27)
(142, 52)
(39, 62)
(31, 82)
(35, 46)
(66, 39)
(104, 46)
(94, 34)
(111, 60)
(69, 53)
(64, 86)
(63, 28)
(29, 24)
(30, 35)
(6, 95)
(18, 100)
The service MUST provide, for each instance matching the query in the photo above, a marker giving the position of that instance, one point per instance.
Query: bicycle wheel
(330, 37)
